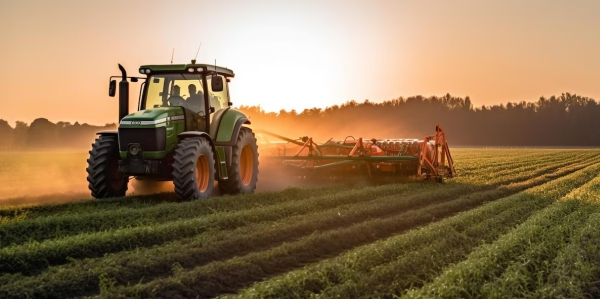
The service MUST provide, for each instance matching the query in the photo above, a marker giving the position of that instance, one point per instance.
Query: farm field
(512, 223)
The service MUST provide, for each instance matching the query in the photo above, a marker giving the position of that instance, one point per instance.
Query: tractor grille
(150, 139)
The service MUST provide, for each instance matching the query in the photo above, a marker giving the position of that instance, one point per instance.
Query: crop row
(125, 266)
(474, 158)
(486, 179)
(479, 165)
(35, 255)
(103, 210)
(130, 267)
(83, 207)
(518, 263)
(44, 228)
(412, 258)
(120, 205)
(574, 272)
(501, 161)
(483, 154)
(227, 276)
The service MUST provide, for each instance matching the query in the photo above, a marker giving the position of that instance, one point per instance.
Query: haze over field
(57, 57)
(297, 54)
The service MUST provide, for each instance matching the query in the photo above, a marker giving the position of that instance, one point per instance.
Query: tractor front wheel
(243, 171)
(194, 169)
(104, 177)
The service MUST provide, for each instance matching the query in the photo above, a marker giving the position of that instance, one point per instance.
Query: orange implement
(428, 158)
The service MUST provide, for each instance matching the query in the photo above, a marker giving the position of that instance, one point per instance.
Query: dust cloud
(338, 131)
(36, 178)
(33, 178)
(29, 182)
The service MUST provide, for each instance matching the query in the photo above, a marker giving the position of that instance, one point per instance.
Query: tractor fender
(188, 134)
(216, 120)
(108, 133)
(226, 128)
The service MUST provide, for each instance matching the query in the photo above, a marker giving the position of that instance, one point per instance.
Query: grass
(203, 249)
(513, 223)
(409, 258)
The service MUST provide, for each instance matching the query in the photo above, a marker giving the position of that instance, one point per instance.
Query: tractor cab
(199, 89)
(194, 89)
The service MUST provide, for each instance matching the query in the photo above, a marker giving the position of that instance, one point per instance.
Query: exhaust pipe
(123, 94)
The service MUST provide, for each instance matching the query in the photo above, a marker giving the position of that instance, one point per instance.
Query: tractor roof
(183, 67)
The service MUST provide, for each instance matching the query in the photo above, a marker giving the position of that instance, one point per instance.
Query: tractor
(184, 131)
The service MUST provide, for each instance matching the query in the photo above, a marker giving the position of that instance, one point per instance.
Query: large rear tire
(243, 170)
(194, 169)
(104, 177)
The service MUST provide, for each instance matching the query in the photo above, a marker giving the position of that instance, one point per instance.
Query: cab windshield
(183, 90)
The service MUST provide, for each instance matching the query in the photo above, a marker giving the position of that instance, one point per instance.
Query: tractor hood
(153, 116)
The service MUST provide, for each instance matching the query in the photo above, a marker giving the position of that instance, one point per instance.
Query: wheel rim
(246, 165)
(202, 173)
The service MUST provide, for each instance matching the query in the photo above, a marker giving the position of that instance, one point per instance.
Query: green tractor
(184, 131)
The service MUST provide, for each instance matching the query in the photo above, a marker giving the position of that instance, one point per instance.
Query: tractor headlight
(191, 70)
(147, 71)
(134, 149)
(142, 71)
(200, 69)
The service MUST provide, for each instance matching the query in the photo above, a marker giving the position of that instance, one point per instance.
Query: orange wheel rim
(202, 173)
(246, 165)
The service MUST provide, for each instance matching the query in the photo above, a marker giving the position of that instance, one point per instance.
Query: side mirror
(112, 88)
(134, 79)
(216, 83)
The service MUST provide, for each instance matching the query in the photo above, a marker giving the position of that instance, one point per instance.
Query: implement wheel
(194, 169)
(243, 171)
(104, 177)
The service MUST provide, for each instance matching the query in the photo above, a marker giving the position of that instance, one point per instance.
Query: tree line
(43, 134)
(565, 120)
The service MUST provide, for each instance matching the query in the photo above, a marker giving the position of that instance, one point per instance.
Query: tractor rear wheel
(243, 170)
(104, 177)
(194, 169)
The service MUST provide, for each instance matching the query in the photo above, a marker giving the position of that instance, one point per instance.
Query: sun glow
(297, 54)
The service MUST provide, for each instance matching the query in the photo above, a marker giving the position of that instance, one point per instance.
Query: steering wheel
(178, 101)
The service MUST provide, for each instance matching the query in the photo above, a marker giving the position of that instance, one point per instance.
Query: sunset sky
(57, 56)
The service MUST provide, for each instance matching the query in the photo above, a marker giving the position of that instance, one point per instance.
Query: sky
(57, 56)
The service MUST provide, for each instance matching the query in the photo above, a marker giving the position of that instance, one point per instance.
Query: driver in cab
(196, 100)
(175, 99)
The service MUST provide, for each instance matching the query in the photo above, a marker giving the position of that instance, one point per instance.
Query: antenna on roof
(194, 60)
(172, 54)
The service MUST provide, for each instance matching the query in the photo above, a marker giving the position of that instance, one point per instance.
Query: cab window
(175, 90)
(219, 99)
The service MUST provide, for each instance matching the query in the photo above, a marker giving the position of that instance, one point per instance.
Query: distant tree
(20, 134)
(43, 134)
(6, 135)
